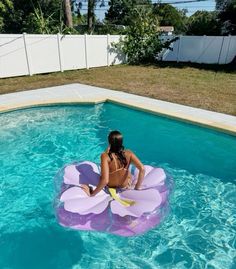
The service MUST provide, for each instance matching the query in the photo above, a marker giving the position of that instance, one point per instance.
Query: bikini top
(116, 166)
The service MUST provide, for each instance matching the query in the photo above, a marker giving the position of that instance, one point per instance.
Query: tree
(120, 11)
(68, 14)
(171, 16)
(37, 23)
(23, 12)
(141, 43)
(204, 23)
(5, 7)
(220, 4)
(33, 15)
(227, 16)
(91, 15)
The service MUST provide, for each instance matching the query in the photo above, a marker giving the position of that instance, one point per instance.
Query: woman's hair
(115, 140)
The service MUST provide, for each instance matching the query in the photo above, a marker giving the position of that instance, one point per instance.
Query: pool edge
(22, 106)
(180, 117)
(86, 95)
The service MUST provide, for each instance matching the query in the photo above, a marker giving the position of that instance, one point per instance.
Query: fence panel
(43, 53)
(73, 52)
(97, 50)
(231, 50)
(213, 51)
(13, 61)
(115, 55)
(191, 49)
(35, 54)
(171, 55)
(202, 49)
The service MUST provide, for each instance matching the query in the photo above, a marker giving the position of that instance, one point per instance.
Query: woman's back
(119, 175)
(115, 164)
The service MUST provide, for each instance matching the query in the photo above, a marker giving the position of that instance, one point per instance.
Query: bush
(141, 43)
(203, 23)
(37, 23)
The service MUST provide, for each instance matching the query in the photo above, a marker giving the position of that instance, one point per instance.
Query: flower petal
(145, 201)
(72, 175)
(82, 173)
(148, 168)
(77, 201)
(154, 178)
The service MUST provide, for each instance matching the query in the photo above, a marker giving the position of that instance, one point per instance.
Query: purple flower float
(125, 212)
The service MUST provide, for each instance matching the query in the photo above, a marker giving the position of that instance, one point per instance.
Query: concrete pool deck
(80, 93)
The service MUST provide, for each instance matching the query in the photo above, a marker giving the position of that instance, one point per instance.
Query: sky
(208, 5)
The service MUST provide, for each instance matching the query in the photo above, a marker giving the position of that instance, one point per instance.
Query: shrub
(141, 43)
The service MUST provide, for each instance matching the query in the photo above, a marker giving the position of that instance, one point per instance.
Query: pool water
(34, 143)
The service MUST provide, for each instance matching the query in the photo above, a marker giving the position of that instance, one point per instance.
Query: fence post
(227, 53)
(30, 71)
(179, 47)
(204, 47)
(85, 50)
(59, 52)
(221, 49)
(108, 50)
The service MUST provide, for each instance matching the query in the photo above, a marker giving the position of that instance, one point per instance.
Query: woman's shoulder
(128, 152)
(104, 155)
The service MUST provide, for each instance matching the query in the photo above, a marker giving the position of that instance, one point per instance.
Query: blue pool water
(34, 143)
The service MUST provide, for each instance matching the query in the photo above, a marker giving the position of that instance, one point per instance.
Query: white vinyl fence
(27, 54)
(202, 49)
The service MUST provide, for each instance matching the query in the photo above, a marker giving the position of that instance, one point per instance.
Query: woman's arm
(135, 160)
(104, 179)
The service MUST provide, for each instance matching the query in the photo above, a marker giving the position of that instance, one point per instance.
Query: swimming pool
(36, 142)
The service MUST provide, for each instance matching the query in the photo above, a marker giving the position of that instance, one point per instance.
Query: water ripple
(198, 233)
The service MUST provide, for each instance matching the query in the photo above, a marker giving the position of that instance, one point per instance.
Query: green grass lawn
(205, 86)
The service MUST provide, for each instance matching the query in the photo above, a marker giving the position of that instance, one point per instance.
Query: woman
(115, 162)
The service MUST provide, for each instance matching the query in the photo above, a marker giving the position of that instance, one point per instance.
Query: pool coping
(85, 94)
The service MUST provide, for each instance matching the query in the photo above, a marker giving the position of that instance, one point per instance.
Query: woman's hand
(140, 166)
(86, 189)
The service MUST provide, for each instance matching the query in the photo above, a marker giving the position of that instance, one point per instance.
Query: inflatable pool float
(126, 212)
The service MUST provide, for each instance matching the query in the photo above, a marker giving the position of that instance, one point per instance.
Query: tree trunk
(91, 15)
(68, 14)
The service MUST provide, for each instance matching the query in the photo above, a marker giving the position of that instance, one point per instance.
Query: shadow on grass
(224, 68)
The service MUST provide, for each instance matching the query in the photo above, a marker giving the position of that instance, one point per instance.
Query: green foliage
(107, 28)
(80, 19)
(120, 11)
(171, 16)
(37, 23)
(227, 16)
(34, 16)
(221, 4)
(203, 23)
(5, 7)
(141, 44)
